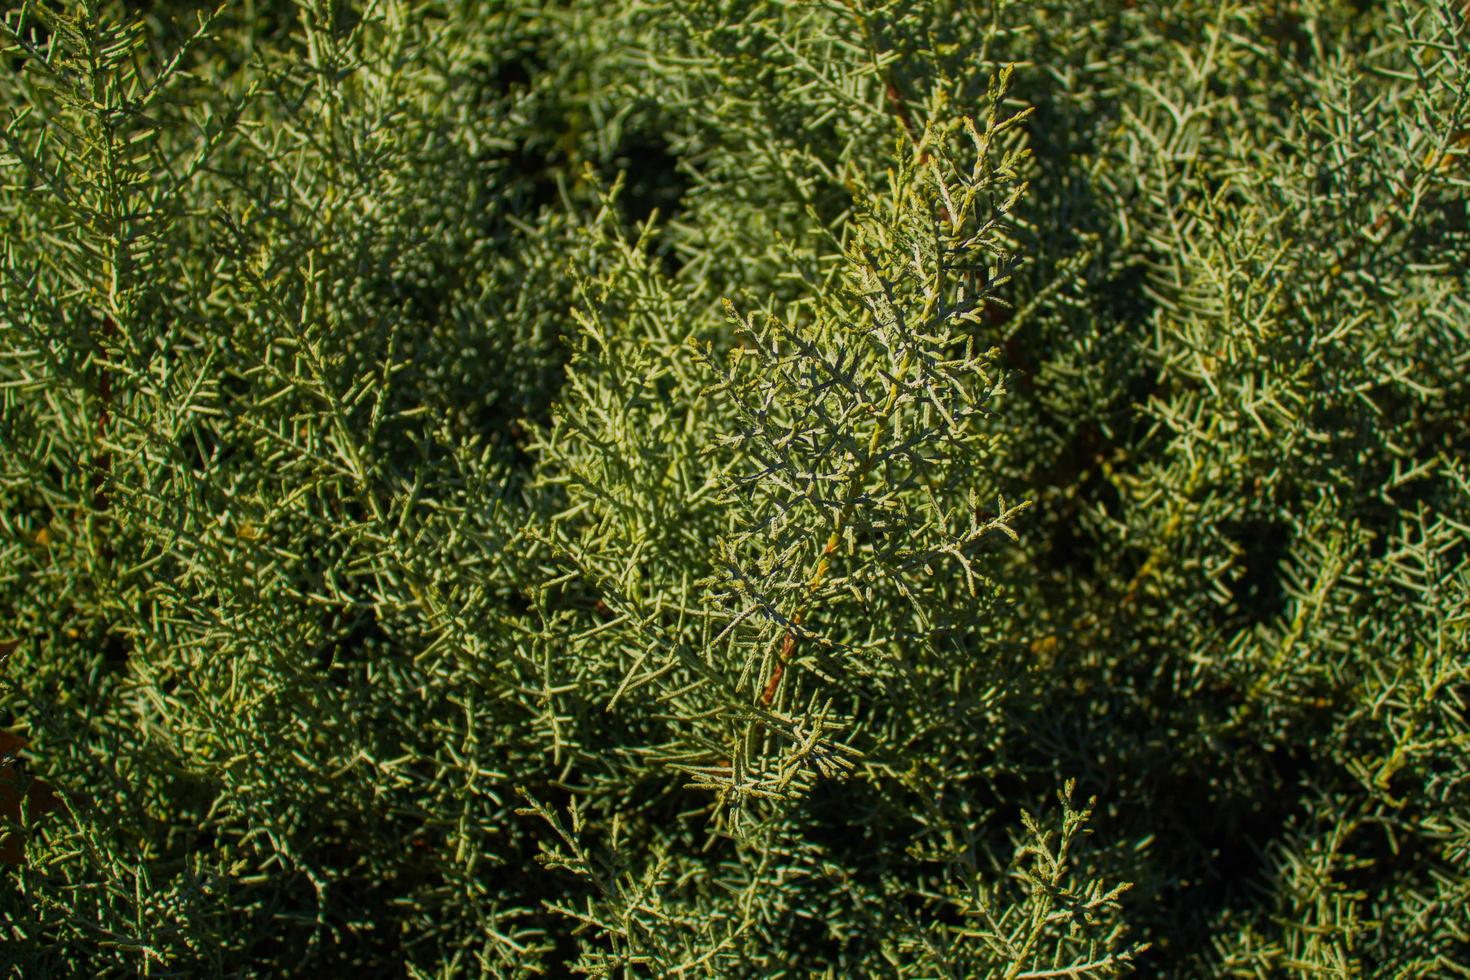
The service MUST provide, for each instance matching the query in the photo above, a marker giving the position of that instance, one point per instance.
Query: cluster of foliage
(735, 488)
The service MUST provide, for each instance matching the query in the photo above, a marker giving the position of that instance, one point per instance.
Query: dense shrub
(736, 488)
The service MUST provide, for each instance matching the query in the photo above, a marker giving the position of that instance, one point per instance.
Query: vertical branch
(102, 459)
(854, 489)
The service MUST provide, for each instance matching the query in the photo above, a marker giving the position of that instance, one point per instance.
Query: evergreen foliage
(839, 488)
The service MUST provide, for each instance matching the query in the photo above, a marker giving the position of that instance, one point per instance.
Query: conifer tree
(735, 488)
